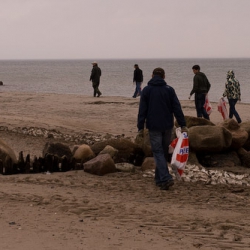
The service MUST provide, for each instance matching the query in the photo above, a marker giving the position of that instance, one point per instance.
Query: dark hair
(196, 67)
(159, 72)
(136, 65)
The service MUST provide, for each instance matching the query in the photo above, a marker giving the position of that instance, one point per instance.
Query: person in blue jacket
(159, 105)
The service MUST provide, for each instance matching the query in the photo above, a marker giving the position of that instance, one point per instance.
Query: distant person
(158, 106)
(232, 92)
(201, 86)
(138, 79)
(95, 78)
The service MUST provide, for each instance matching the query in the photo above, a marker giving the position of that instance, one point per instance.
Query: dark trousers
(232, 110)
(159, 144)
(95, 86)
(199, 105)
(137, 89)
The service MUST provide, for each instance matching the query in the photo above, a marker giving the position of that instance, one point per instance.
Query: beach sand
(76, 210)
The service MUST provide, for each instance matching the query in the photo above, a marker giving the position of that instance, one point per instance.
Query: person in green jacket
(201, 86)
(95, 78)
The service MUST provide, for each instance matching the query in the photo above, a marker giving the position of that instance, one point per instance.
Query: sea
(72, 76)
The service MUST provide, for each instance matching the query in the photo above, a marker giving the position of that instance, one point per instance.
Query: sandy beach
(76, 210)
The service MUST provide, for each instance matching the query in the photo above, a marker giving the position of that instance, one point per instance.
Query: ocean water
(72, 76)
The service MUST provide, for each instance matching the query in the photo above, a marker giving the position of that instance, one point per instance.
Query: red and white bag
(207, 105)
(180, 153)
(222, 108)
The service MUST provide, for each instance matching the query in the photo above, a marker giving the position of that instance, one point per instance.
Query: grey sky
(86, 29)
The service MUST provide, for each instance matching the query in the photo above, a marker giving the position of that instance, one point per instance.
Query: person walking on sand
(201, 86)
(232, 92)
(95, 78)
(158, 106)
(138, 79)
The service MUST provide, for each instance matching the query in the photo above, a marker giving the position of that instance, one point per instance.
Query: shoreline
(70, 113)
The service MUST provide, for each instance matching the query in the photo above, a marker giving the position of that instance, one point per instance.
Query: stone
(125, 167)
(209, 138)
(246, 127)
(244, 156)
(148, 164)
(83, 153)
(100, 165)
(128, 151)
(239, 135)
(58, 149)
(192, 121)
(109, 150)
(144, 143)
(224, 159)
(8, 159)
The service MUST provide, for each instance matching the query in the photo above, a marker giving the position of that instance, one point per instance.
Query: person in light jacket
(232, 92)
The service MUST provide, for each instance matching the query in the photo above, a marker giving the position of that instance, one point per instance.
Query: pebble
(193, 173)
(86, 138)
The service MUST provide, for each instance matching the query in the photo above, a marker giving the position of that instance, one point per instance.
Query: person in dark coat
(95, 78)
(201, 86)
(159, 105)
(138, 79)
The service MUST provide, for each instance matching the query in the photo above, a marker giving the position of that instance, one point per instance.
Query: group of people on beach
(159, 105)
(201, 87)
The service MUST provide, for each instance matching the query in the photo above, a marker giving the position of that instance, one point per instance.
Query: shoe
(99, 95)
(167, 185)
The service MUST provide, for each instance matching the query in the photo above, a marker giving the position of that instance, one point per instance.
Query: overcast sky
(96, 29)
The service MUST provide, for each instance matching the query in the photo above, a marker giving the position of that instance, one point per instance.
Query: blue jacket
(158, 106)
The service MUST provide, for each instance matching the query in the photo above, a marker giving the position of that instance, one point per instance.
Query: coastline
(74, 113)
(77, 210)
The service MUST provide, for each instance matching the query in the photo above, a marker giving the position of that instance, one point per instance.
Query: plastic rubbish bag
(180, 152)
(208, 106)
(222, 108)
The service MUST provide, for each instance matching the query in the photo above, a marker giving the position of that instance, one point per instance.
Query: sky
(117, 29)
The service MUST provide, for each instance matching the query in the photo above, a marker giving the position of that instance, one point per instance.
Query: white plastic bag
(180, 153)
(222, 108)
(207, 105)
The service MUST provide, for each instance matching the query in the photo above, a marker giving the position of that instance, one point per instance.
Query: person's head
(136, 66)
(94, 63)
(230, 74)
(159, 72)
(196, 69)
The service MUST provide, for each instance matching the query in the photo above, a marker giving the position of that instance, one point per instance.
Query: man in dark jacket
(158, 106)
(95, 78)
(201, 86)
(138, 79)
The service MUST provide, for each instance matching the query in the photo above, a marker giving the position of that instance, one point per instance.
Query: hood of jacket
(230, 74)
(157, 81)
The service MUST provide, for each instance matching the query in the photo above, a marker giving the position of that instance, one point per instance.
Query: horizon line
(121, 58)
